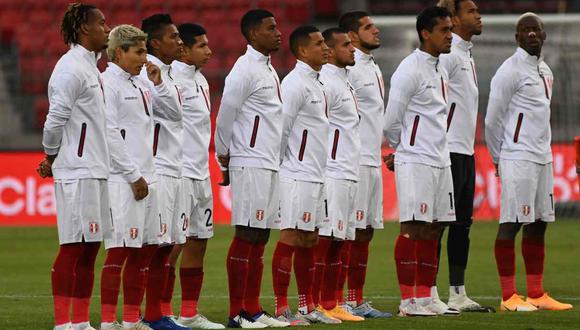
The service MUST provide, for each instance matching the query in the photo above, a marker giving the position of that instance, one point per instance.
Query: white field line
(218, 297)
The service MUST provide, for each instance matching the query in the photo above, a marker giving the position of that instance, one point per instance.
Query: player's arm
(165, 104)
(402, 89)
(236, 92)
(292, 101)
(500, 95)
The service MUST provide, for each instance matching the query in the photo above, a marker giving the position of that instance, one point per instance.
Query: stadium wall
(28, 200)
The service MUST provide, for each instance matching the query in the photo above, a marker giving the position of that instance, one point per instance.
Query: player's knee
(364, 235)
(535, 230)
(508, 231)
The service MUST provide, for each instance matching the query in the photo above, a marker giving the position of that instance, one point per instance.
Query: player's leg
(83, 285)
(517, 197)
(533, 243)
(167, 294)
(282, 269)
(343, 274)
(62, 278)
(110, 285)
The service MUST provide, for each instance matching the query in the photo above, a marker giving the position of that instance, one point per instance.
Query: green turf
(26, 255)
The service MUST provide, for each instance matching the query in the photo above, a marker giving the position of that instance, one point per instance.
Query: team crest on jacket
(340, 225)
(526, 209)
(133, 233)
(360, 214)
(423, 208)
(260, 215)
(93, 227)
(306, 217)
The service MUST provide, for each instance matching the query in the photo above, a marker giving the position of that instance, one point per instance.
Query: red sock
(62, 277)
(281, 272)
(533, 252)
(167, 293)
(304, 270)
(343, 272)
(505, 258)
(333, 265)
(191, 281)
(406, 263)
(426, 251)
(111, 282)
(135, 280)
(237, 267)
(254, 282)
(320, 262)
(156, 280)
(84, 281)
(357, 271)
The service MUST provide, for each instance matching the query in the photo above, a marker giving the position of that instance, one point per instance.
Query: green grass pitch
(26, 255)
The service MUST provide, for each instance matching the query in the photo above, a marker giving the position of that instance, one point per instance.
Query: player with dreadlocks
(77, 156)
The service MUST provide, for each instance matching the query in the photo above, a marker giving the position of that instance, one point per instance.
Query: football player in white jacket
(198, 203)
(247, 141)
(303, 156)
(415, 126)
(342, 169)
(77, 156)
(518, 135)
(366, 78)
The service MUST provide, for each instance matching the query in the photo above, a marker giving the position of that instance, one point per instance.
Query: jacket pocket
(82, 139)
(303, 145)
(156, 138)
(518, 127)
(414, 131)
(255, 131)
(450, 116)
(335, 143)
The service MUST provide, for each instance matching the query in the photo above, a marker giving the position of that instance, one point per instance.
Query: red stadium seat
(298, 11)
(184, 16)
(181, 5)
(210, 4)
(124, 17)
(41, 110)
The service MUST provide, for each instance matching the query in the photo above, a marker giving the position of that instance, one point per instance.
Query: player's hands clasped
(140, 189)
(153, 73)
(390, 162)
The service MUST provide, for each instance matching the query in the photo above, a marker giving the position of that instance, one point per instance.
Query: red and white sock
(237, 268)
(304, 269)
(357, 271)
(533, 253)
(343, 272)
(281, 272)
(505, 259)
(156, 281)
(167, 293)
(63, 279)
(406, 264)
(320, 252)
(333, 265)
(84, 281)
(426, 252)
(135, 280)
(111, 282)
(191, 282)
(254, 281)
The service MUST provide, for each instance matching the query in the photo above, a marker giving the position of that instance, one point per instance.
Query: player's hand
(390, 162)
(44, 169)
(153, 73)
(496, 170)
(225, 178)
(224, 160)
(140, 189)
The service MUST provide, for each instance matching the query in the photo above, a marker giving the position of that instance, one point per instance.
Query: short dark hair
(351, 20)
(154, 25)
(329, 33)
(76, 15)
(300, 37)
(188, 32)
(252, 19)
(427, 19)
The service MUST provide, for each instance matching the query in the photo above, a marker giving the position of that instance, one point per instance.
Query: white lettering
(15, 207)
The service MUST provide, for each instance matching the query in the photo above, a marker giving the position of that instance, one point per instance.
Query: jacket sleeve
(292, 101)
(402, 89)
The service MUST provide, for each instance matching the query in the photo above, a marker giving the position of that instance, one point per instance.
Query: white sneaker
(67, 326)
(270, 321)
(436, 306)
(319, 316)
(459, 300)
(245, 321)
(136, 326)
(111, 326)
(410, 307)
(82, 326)
(199, 322)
